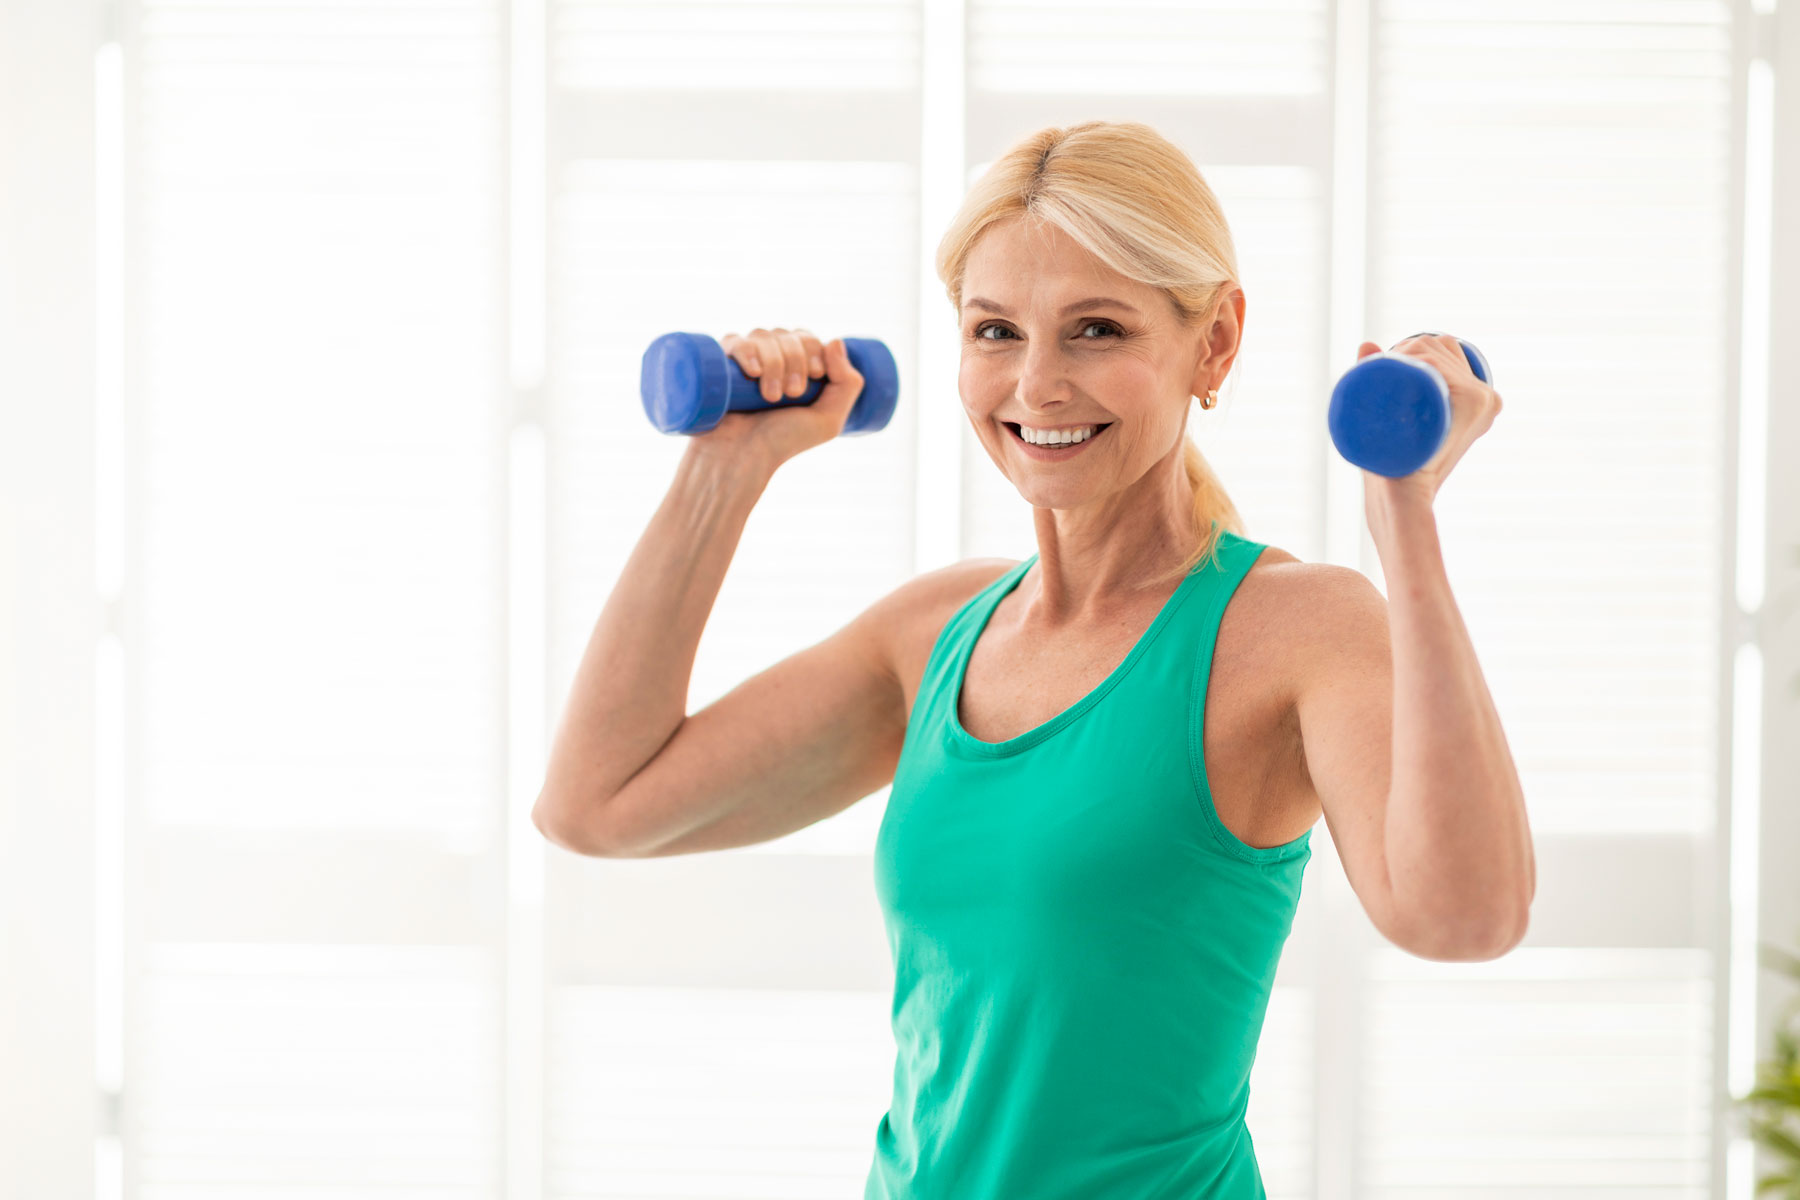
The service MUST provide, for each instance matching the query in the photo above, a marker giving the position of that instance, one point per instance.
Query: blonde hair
(1135, 201)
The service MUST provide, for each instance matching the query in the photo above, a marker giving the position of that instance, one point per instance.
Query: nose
(1043, 375)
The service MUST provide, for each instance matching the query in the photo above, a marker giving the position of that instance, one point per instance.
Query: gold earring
(1212, 398)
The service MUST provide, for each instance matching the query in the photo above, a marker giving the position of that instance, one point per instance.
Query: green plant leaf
(1769, 1183)
(1775, 1138)
(1786, 1095)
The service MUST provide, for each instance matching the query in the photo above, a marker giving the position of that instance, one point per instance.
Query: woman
(1107, 758)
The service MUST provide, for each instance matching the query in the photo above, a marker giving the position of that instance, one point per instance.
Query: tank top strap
(1236, 555)
(1223, 571)
(963, 627)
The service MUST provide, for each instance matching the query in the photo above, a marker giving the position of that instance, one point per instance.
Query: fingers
(744, 352)
(762, 358)
(769, 356)
(782, 360)
(794, 356)
(1441, 349)
(815, 353)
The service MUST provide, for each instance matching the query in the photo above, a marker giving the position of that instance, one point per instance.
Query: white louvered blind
(1584, 535)
(715, 1091)
(313, 613)
(1162, 48)
(1554, 1071)
(1552, 182)
(755, 45)
(843, 45)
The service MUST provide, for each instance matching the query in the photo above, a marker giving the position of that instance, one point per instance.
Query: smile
(1054, 453)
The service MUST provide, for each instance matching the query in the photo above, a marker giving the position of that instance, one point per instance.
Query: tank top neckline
(959, 666)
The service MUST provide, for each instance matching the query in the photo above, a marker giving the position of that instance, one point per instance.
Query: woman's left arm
(1428, 812)
(1457, 840)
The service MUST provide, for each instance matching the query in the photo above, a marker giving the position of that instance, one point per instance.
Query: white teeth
(1058, 437)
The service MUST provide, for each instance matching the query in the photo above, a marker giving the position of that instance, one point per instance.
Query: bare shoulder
(1315, 596)
(1303, 609)
(1297, 590)
(905, 623)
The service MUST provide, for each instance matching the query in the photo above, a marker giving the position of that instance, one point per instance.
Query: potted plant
(1773, 1105)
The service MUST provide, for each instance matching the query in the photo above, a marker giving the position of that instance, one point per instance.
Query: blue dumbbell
(689, 383)
(1390, 412)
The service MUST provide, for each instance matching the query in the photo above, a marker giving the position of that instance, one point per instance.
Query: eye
(980, 329)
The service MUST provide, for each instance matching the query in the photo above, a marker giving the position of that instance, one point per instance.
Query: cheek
(972, 367)
(981, 390)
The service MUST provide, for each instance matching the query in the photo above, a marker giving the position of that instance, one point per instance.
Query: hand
(1473, 407)
(784, 359)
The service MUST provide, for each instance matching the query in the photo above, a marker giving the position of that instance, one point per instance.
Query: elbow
(558, 823)
(548, 823)
(1498, 938)
(541, 820)
(1480, 937)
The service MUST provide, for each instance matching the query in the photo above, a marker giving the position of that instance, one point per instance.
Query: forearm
(629, 693)
(1458, 841)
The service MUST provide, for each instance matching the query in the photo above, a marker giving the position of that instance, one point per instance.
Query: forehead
(1024, 265)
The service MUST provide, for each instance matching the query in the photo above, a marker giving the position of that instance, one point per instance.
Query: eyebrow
(1090, 302)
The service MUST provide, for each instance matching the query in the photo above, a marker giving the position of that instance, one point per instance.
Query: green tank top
(1083, 953)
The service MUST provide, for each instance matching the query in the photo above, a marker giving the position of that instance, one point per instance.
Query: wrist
(1392, 505)
(736, 462)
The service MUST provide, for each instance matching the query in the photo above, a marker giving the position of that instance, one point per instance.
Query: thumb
(1367, 348)
(845, 382)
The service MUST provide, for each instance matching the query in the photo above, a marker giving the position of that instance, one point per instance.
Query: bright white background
(321, 449)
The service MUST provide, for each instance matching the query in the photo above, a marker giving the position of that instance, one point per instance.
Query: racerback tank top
(1083, 953)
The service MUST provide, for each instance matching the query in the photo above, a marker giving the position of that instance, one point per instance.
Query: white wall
(49, 617)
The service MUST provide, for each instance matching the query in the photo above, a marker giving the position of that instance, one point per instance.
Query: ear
(1219, 342)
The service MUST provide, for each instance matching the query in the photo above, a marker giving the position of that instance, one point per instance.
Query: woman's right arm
(629, 694)
(628, 769)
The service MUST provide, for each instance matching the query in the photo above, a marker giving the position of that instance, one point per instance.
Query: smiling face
(1052, 338)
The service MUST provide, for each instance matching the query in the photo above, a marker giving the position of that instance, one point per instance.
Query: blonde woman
(1107, 759)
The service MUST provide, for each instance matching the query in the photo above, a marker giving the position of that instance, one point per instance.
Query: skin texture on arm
(1400, 733)
(1426, 816)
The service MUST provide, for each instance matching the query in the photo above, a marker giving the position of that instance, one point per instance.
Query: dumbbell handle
(688, 383)
(1390, 413)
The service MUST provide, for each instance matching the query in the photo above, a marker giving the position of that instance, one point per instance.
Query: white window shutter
(1551, 182)
(314, 627)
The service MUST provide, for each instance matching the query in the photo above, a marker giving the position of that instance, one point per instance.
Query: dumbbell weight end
(1390, 413)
